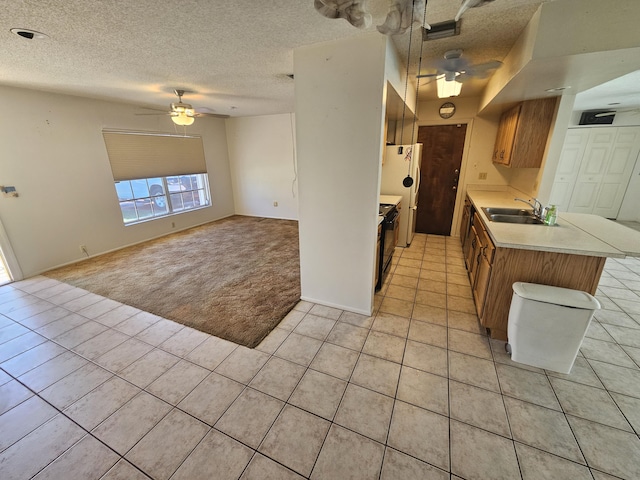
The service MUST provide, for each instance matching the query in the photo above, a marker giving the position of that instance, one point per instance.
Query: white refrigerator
(399, 162)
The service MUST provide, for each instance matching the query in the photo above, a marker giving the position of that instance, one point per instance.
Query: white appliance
(400, 161)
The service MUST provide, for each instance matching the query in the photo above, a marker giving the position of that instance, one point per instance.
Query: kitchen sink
(517, 218)
(507, 211)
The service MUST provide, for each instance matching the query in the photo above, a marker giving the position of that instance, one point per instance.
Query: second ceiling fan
(183, 113)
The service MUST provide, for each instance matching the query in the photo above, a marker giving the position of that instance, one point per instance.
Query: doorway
(442, 148)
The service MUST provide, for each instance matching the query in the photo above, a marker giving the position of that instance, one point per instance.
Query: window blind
(145, 155)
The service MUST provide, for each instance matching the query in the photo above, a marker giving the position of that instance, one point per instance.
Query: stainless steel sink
(529, 220)
(507, 211)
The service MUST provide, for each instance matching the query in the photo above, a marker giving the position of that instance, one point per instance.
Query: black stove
(385, 209)
(387, 243)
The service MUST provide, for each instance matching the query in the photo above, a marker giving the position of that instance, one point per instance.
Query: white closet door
(573, 149)
(592, 170)
(617, 172)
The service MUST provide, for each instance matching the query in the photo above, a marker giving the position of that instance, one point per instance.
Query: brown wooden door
(442, 147)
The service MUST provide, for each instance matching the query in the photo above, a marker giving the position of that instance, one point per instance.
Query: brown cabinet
(522, 133)
(484, 261)
(493, 270)
(465, 224)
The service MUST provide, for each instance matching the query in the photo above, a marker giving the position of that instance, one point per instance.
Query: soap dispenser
(551, 215)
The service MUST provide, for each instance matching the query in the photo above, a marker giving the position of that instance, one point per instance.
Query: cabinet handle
(454, 188)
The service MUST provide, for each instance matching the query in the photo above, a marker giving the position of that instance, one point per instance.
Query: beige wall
(54, 154)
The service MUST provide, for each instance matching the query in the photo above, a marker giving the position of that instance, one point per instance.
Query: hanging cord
(406, 82)
(415, 110)
(293, 155)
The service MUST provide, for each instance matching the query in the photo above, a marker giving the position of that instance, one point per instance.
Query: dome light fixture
(182, 118)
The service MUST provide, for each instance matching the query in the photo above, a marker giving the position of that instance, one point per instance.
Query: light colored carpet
(235, 278)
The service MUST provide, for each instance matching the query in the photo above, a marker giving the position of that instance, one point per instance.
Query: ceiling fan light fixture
(448, 87)
(182, 119)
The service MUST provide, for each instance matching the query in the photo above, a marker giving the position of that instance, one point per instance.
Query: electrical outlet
(83, 249)
(482, 176)
(275, 204)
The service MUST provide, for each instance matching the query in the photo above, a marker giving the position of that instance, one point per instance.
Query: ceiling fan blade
(427, 75)
(482, 69)
(159, 113)
(215, 115)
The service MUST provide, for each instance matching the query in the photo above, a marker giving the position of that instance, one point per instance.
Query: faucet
(536, 205)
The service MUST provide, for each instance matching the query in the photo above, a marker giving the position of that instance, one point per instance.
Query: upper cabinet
(522, 133)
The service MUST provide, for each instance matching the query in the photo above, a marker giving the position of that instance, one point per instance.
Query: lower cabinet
(493, 270)
(478, 252)
(484, 260)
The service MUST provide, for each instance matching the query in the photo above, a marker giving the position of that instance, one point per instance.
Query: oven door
(390, 225)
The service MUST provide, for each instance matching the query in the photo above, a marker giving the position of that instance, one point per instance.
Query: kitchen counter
(577, 234)
(618, 236)
(390, 199)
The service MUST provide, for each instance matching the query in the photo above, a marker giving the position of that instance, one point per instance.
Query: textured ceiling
(234, 56)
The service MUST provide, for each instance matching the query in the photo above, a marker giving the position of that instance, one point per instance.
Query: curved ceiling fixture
(402, 14)
(467, 4)
(353, 11)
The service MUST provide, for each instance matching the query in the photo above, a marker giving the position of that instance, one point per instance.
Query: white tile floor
(90, 388)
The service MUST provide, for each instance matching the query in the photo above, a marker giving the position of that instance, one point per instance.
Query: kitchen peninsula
(570, 254)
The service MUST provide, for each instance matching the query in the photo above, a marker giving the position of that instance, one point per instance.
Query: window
(157, 174)
(146, 198)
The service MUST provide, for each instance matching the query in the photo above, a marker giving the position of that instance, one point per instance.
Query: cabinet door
(532, 132)
(505, 136)
(575, 144)
(617, 172)
(471, 256)
(482, 281)
(464, 224)
(592, 171)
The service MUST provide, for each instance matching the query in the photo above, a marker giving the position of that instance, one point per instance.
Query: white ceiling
(234, 56)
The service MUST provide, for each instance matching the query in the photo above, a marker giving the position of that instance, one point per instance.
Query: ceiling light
(29, 34)
(182, 119)
(447, 85)
(446, 29)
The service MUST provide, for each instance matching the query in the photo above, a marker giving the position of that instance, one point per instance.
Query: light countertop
(618, 236)
(571, 235)
(390, 199)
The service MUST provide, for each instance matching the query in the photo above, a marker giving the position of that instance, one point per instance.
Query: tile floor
(90, 388)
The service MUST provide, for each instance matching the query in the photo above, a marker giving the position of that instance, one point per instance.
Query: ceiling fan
(183, 113)
(453, 70)
(454, 67)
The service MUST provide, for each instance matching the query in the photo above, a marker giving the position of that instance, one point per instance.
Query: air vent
(450, 28)
(591, 118)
